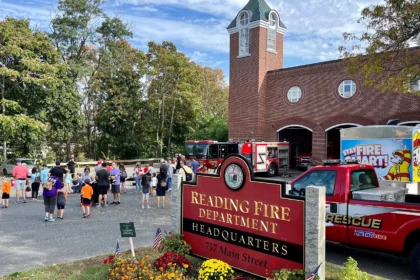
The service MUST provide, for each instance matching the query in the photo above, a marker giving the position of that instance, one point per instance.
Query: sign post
(250, 224)
(128, 230)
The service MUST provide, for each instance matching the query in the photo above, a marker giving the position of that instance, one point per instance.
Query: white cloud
(39, 15)
(314, 32)
(227, 8)
(198, 57)
(193, 36)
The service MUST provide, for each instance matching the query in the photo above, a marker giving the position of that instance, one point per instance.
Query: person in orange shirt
(6, 193)
(86, 193)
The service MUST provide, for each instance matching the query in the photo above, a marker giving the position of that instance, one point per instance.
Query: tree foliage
(382, 54)
(84, 88)
(29, 73)
(81, 32)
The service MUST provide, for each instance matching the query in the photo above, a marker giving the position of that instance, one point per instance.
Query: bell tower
(256, 46)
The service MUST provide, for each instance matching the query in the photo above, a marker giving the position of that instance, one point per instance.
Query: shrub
(352, 272)
(169, 259)
(286, 274)
(174, 243)
(215, 269)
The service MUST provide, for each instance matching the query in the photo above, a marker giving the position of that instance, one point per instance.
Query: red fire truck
(363, 214)
(264, 157)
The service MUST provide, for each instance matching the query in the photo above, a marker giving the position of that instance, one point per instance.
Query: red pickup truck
(363, 214)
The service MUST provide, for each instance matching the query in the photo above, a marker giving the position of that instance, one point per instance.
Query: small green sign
(127, 230)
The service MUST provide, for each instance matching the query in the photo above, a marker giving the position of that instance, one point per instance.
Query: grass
(94, 269)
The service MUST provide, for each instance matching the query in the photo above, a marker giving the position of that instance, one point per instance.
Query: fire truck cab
(264, 157)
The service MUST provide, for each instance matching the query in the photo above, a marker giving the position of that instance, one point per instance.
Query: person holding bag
(51, 187)
(186, 173)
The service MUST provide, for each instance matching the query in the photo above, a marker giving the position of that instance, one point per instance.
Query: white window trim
(240, 28)
(288, 92)
(271, 29)
(343, 93)
(243, 55)
(254, 24)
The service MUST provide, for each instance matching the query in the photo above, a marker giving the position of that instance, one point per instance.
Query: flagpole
(132, 247)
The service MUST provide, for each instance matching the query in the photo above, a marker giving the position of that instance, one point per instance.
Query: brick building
(305, 105)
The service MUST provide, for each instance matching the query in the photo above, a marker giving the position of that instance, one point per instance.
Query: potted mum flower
(215, 270)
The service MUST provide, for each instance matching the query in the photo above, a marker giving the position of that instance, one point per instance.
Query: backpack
(37, 179)
(188, 176)
(123, 174)
(163, 179)
(48, 185)
(139, 171)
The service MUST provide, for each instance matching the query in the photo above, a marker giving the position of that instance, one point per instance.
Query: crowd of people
(109, 177)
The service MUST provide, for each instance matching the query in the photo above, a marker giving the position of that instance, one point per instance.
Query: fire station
(305, 105)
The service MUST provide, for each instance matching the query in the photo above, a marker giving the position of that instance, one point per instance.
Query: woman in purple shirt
(50, 196)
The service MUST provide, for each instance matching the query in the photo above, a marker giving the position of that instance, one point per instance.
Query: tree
(80, 31)
(29, 72)
(172, 94)
(214, 92)
(120, 114)
(382, 54)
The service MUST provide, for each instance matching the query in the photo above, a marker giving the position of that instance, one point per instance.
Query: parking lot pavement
(376, 263)
(26, 241)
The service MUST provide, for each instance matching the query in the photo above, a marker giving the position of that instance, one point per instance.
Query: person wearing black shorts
(102, 181)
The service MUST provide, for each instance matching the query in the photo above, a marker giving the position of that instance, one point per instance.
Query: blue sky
(198, 27)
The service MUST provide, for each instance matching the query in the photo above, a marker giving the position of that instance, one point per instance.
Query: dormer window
(272, 31)
(243, 34)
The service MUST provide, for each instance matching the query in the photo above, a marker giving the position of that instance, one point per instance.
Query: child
(36, 182)
(28, 192)
(87, 192)
(75, 183)
(6, 193)
(69, 181)
(145, 191)
(61, 203)
(153, 182)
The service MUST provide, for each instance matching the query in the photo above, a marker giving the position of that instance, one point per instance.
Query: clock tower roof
(259, 10)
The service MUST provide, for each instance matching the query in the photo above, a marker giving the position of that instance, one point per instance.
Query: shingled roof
(259, 10)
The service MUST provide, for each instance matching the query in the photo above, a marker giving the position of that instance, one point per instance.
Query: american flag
(117, 250)
(158, 239)
(314, 273)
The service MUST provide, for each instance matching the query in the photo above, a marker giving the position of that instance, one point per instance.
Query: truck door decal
(260, 157)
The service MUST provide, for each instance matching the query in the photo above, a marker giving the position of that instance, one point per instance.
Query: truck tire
(415, 260)
(272, 170)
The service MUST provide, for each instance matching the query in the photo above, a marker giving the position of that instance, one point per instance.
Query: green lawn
(94, 269)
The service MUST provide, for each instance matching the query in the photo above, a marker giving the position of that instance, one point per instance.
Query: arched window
(272, 30)
(243, 34)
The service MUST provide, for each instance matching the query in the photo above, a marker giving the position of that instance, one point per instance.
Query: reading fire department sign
(241, 221)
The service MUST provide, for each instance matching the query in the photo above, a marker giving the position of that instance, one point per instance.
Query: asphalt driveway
(26, 241)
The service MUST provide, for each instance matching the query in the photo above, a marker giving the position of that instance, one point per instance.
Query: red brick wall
(247, 94)
(258, 104)
(322, 107)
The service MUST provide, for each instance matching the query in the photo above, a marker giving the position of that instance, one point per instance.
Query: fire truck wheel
(415, 260)
(272, 170)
